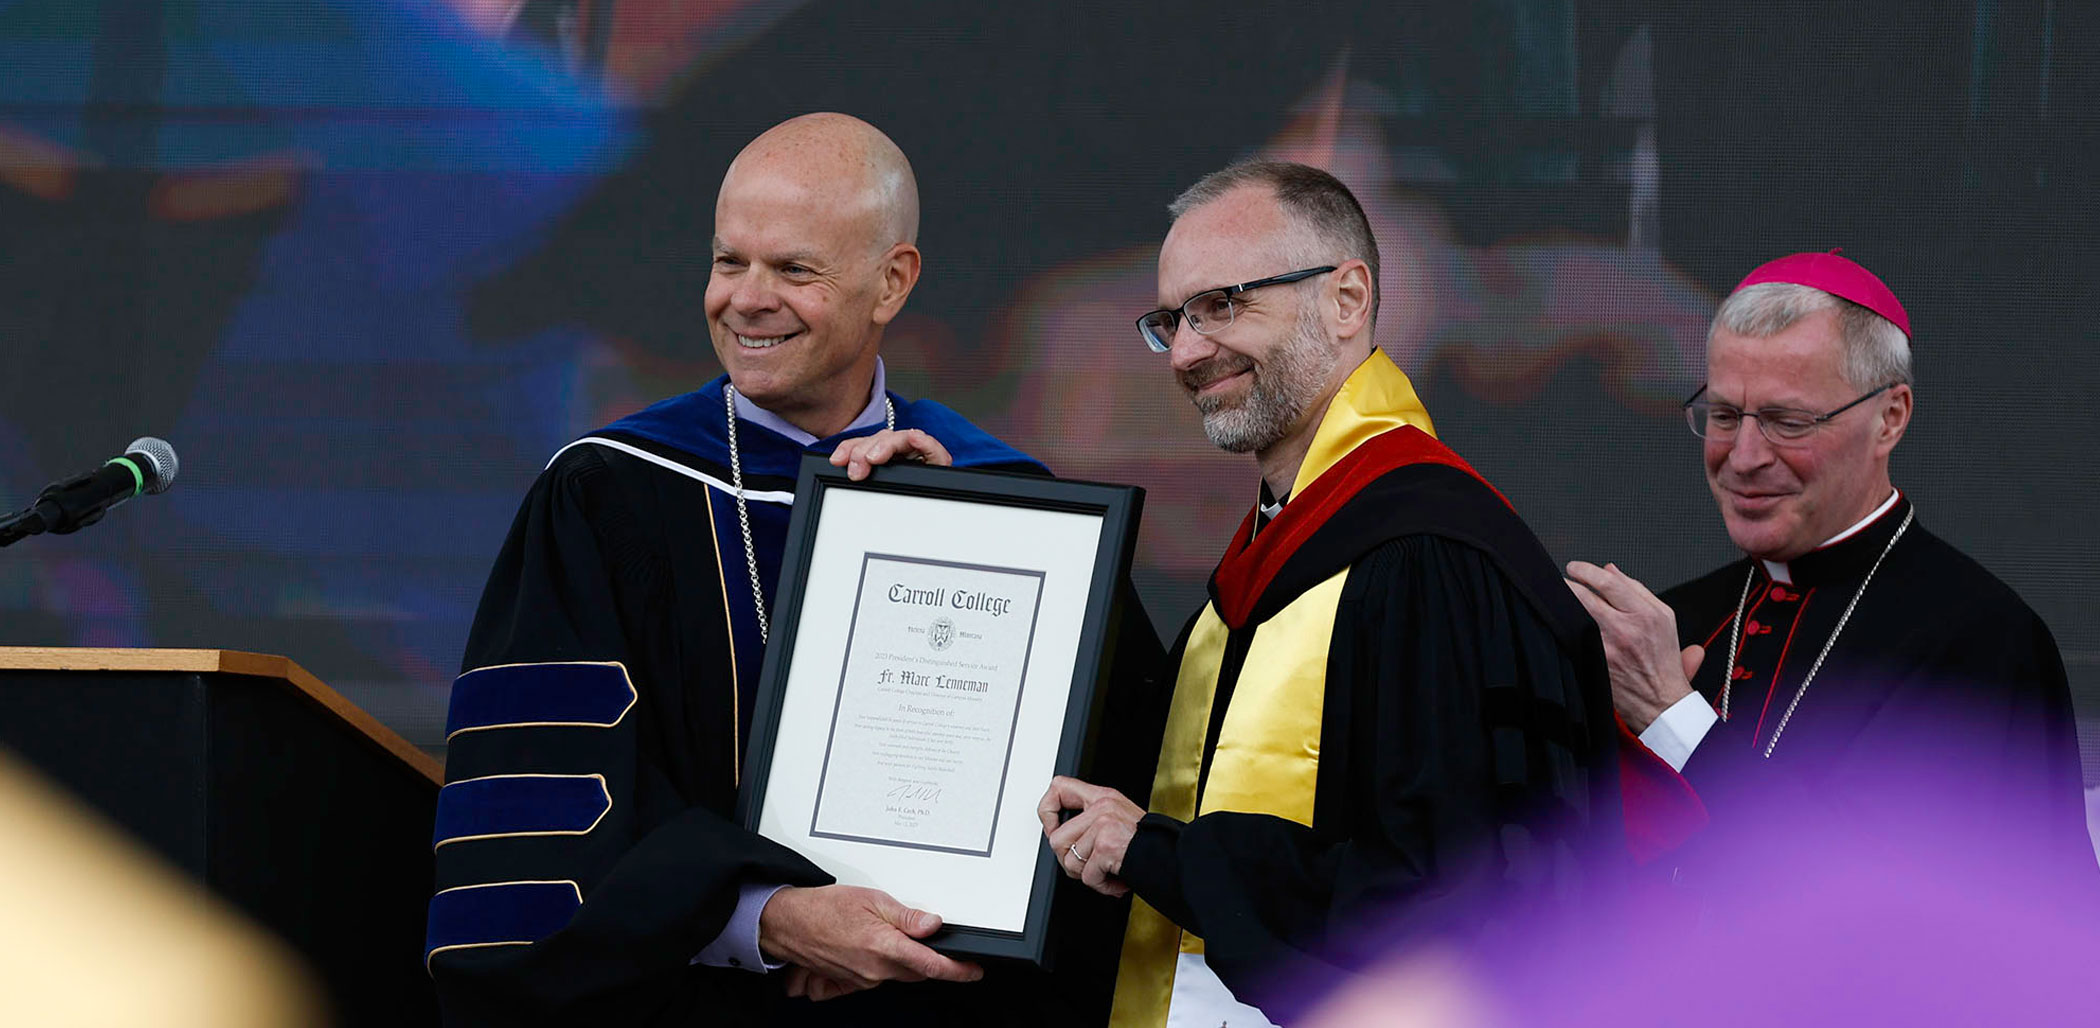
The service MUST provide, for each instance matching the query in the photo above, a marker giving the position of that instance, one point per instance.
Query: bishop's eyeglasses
(1210, 310)
(1782, 426)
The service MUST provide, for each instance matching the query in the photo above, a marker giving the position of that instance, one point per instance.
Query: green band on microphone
(138, 478)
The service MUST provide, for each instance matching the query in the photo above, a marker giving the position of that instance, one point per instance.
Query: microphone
(148, 465)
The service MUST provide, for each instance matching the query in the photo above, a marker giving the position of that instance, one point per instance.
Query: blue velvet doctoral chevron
(693, 427)
(503, 912)
(519, 695)
(514, 805)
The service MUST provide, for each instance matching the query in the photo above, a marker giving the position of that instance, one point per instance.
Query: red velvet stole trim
(1247, 570)
(1661, 809)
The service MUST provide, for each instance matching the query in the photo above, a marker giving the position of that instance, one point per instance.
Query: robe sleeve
(575, 881)
(1476, 775)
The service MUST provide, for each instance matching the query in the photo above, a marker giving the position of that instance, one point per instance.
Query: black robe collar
(1849, 558)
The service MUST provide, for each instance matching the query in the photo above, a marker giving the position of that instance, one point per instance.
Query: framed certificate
(938, 641)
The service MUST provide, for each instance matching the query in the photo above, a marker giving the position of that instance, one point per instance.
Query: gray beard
(1284, 386)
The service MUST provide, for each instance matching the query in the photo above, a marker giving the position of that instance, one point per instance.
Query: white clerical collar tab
(1783, 575)
(1873, 516)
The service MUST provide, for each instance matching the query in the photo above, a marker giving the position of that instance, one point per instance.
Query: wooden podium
(264, 784)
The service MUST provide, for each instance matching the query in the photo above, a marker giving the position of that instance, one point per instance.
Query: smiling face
(1781, 502)
(810, 263)
(1259, 380)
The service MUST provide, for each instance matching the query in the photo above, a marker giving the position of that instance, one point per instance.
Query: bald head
(815, 252)
(842, 162)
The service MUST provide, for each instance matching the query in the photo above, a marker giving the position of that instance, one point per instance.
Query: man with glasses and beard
(1390, 710)
(1852, 677)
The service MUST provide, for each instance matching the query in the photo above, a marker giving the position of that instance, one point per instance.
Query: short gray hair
(1316, 200)
(1876, 352)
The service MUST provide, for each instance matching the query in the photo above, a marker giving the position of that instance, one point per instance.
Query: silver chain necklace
(743, 511)
(1735, 636)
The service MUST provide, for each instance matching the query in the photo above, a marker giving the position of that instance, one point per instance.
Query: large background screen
(369, 264)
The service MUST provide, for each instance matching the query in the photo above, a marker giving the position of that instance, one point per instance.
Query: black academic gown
(586, 848)
(1938, 730)
(1467, 778)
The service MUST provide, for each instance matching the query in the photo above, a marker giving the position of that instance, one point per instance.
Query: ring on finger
(1074, 851)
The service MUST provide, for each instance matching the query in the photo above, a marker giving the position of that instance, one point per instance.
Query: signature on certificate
(918, 792)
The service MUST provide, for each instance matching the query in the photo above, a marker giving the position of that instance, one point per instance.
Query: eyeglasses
(1782, 426)
(1208, 311)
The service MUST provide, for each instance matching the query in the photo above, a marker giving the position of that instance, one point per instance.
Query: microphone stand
(20, 525)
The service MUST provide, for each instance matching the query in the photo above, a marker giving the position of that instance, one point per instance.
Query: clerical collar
(1847, 553)
(870, 415)
(1267, 506)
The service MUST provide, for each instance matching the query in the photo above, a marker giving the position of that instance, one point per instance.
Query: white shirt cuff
(737, 946)
(1679, 730)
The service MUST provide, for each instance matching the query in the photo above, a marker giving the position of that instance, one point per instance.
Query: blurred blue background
(368, 264)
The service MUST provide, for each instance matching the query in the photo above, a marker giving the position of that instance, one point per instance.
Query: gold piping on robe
(632, 696)
(586, 830)
(498, 942)
(736, 712)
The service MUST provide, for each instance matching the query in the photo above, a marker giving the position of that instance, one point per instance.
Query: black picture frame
(1119, 509)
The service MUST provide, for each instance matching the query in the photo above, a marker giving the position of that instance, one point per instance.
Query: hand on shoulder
(1649, 673)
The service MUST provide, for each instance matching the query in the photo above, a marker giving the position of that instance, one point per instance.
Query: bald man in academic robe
(589, 867)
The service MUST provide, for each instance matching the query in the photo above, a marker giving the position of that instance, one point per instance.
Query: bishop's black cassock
(585, 848)
(1938, 729)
